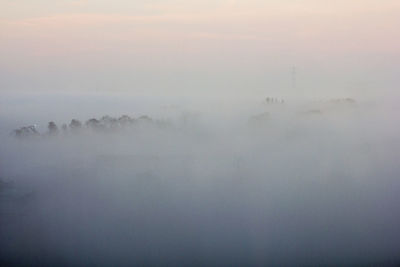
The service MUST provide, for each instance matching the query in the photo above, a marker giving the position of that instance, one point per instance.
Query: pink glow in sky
(211, 40)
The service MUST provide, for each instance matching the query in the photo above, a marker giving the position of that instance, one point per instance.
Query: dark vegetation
(104, 124)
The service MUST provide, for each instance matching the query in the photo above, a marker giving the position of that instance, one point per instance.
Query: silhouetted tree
(94, 124)
(26, 131)
(109, 122)
(75, 125)
(52, 127)
(125, 120)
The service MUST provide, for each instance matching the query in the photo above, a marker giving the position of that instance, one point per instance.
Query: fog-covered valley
(199, 182)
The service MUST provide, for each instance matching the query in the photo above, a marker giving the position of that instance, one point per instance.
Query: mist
(212, 133)
(301, 182)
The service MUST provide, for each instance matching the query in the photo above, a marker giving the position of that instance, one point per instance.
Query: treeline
(104, 124)
(273, 100)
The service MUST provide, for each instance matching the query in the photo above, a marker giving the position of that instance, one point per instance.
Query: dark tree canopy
(52, 127)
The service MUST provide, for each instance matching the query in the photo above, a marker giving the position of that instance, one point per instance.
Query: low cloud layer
(294, 183)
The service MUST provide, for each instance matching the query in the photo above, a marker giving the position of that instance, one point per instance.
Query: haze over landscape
(174, 47)
(217, 133)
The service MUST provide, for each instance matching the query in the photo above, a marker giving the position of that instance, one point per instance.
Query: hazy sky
(340, 48)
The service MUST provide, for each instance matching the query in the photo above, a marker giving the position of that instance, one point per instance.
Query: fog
(204, 182)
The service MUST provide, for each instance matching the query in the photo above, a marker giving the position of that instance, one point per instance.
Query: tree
(52, 127)
(75, 124)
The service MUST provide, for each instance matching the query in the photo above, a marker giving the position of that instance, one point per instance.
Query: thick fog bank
(294, 183)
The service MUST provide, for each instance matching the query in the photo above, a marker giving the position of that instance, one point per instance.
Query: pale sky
(342, 47)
